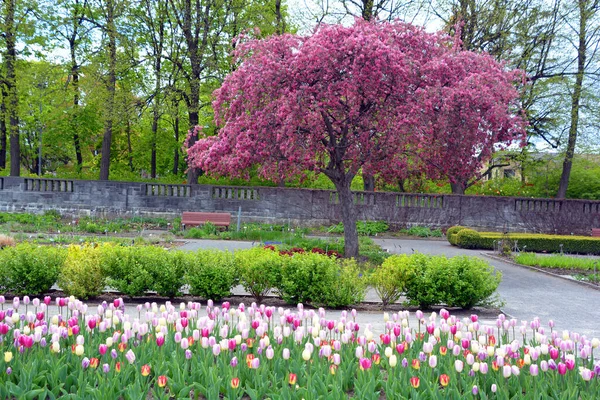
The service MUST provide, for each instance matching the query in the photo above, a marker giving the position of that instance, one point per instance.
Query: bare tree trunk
(75, 117)
(584, 14)
(129, 148)
(279, 18)
(176, 129)
(348, 219)
(3, 143)
(11, 88)
(457, 188)
(111, 87)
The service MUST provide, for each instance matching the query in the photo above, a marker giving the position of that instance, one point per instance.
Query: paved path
(526, 293)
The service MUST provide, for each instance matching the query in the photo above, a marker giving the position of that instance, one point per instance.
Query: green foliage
(422, 231)
(456, 282)
(127, 268)
(30, 269)
(557, 261)
(451, 233)
(211, 274)
(259, 270)
(536, 242)
(389, 279)
(82, 275)
(168, 272)
(467, 238)
(307, 278)
(364, 228)
(350, 286)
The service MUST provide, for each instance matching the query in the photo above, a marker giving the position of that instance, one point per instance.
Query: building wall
(299, 206)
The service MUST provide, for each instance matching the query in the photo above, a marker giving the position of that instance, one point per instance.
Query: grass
(557, 261)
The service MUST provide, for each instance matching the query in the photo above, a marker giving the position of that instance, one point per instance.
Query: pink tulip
(570, 364)
(160, 340)
(365, 363)
(102, 349)
(554, 353)
(562, 368)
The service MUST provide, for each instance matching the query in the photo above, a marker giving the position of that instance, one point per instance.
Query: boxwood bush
(451, 233)
(389, 279)
(82, 275)
(538, 243)
(211, 274)
(259, 270)
(30, 269)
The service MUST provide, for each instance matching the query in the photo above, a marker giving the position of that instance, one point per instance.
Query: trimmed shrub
(168, 272)
(307, 278)
(389, 279)
(349, 287)
(211, 274)
(451, 232)
(455, 282)
(536, 242)
(126, 268)
(467, 238)
(82, 275)
(259, 270)
(30, 269)
(472, 281)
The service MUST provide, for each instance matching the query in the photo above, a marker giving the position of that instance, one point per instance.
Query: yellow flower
(8, 356)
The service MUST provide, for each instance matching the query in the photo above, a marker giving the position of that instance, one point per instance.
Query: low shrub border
(295, 275)
(538, 243)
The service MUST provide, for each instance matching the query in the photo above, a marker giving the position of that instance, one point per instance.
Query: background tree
(340, 100)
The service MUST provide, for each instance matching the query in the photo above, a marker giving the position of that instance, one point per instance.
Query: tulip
(292, 378)
(130, 356)
(8, 356)
(562, 368)
(255, 363)
(393, 361)
(506, 371)
(414, 382)
(94, 362)
(483, 368)
(432, 361)
(118, 366)
(365, 364)
(106, 368)
(85, 362)
(235, 383)
(145, 370)
(444, 380)
(533, 370)
(162, 381)
(102, 349)
(586, 374)
(458, 366)
(160, 340)
(79, 350)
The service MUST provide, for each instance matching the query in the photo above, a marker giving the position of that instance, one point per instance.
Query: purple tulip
(85, 363)
(234, 362)
(114, 354)
(404, 362)
(533, 370)
(130, 356)
(475, 390)
(8, 371)
(106, 368)
(188, 354)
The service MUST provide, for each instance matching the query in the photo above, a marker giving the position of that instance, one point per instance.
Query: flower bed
(190, 350)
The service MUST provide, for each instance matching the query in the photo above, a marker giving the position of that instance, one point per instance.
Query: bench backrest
(595, 231)
(206, 217)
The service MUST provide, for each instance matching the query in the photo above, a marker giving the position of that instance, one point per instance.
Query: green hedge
(451, 232)
(538, 243)
(430, 280)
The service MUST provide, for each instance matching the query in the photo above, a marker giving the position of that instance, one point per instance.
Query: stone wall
(301, 206)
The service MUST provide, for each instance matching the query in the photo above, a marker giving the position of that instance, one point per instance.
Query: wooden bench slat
(595, 231)
(190, 218)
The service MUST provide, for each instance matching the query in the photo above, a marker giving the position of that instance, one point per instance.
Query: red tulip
(162, 381)
(292, 378)
(145, 370)
(414, 381)
(235, 383)
(444, 380)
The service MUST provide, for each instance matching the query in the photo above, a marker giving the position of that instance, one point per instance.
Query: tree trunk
(11, 88)
(3, 130)
(575, 100)
(111, 85)
(457, 188)
(129, 148)
(401, 187)
(75, 117)
(348, 219)
(368, 183)
(176, 129)
(193, 173)
(279, 18)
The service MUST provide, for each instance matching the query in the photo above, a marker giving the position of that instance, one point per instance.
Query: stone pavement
(526, 293)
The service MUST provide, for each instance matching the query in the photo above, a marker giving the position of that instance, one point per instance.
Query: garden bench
(595, 231)
(200, 218)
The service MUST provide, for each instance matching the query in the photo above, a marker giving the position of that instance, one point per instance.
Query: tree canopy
(350, 98)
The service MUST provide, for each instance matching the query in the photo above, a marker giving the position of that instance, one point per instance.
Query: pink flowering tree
(336, 102)
(470, 112)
